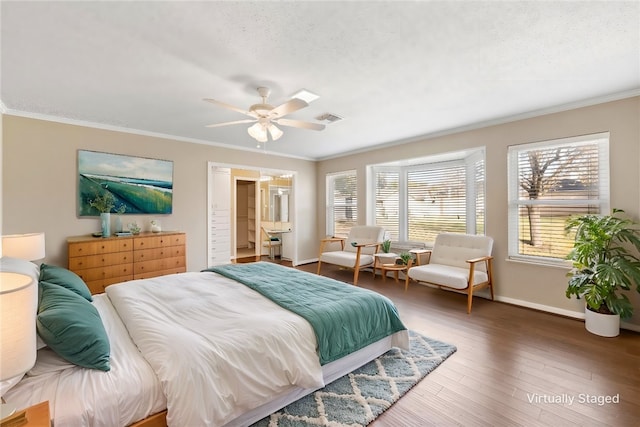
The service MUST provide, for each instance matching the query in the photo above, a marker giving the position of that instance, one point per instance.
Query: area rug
(358, 398)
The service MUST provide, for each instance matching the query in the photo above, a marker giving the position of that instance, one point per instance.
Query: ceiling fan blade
(294, 104)
(228, 106)
(237, 122)
(299, 124)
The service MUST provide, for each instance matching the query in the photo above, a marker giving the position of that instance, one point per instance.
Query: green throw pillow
(63, 277)
(71, 326)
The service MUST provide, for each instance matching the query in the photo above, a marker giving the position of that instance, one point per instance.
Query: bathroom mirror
(275, 191)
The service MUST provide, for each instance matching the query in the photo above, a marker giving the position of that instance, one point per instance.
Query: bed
(209, 348)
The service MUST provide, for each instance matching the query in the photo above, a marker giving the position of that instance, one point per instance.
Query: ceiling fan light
(275, 132)
(258, 132)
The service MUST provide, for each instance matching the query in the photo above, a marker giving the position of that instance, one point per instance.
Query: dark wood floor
(514, 366)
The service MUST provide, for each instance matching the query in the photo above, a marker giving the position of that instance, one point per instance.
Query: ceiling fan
(266, 117)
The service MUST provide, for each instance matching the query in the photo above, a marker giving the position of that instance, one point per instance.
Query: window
(548, 182)
(416, 201)
(342, 203)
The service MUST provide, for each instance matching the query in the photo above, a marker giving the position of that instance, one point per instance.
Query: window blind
(549, 182)
(342, 203)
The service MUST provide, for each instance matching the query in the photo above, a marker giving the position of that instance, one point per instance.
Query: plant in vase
(104, 203)
(405, 258)
(602, 267)
(386, 257)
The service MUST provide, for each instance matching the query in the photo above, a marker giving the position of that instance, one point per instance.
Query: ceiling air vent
(329, 117)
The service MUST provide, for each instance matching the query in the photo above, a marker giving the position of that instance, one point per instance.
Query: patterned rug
(358, 398)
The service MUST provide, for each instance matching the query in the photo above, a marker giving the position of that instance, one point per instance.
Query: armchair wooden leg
(469, 299)
(319, 264)
(355, 276)
(406, 282)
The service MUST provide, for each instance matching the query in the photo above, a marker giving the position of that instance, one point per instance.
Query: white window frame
(468, 157)
(514, 203)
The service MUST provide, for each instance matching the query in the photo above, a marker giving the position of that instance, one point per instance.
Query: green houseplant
(405, 257)
(386, 257)
(603, 264)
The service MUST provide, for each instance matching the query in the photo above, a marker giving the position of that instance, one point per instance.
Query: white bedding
(216, 360)
(129, 392)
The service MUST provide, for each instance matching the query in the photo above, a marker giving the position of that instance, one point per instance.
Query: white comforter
(219, 348)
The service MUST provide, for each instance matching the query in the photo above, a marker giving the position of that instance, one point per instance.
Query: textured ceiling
(393, 70)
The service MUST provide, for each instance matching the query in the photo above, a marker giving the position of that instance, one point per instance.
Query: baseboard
(558, 311)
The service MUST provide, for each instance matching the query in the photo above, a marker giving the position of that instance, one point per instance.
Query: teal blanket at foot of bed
(345, 318)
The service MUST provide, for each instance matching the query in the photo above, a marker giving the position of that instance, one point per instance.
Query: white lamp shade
(18, 306)
(275, 132)
(258, 132)
(24, 246)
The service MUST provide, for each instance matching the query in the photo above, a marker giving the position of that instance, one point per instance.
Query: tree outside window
(549, 182)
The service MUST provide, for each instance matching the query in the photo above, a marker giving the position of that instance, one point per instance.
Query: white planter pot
(605, 325)
(387, 258)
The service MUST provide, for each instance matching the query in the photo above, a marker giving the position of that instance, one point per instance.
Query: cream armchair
(458, 261)
(356, 251)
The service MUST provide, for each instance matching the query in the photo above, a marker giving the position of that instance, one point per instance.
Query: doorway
(246, 221)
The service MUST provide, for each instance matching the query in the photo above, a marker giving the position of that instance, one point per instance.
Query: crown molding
(114, 128)
(499, 121)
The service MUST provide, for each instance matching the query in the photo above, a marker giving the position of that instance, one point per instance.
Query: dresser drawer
(98, 247)
(93, 261)
(101, 273)
(158, 264)
(158, 253)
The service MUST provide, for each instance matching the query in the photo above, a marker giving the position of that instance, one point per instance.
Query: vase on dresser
(105, 223)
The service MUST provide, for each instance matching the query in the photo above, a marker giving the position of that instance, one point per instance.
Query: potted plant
(405, 257)
(602, 267)
(103, 203)
(386, 257)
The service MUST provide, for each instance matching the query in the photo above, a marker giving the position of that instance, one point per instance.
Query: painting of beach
(138, 185)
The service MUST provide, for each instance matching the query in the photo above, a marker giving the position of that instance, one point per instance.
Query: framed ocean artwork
(123, 184)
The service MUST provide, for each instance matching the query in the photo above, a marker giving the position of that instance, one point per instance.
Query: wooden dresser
(103, 261)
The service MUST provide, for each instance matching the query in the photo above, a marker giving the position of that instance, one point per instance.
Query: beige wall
(526, 284)
(39, 185)
(40, 173)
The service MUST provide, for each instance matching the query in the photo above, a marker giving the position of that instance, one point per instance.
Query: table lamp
(24, 246)
(18, 306)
